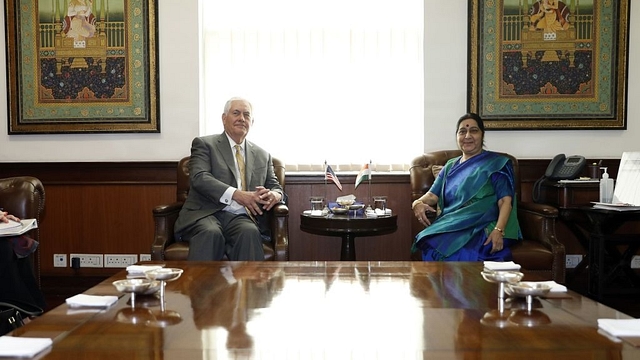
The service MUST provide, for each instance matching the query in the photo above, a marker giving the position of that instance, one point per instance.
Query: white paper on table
(82, 300)
(620, 327)
(626, 189)
(140, 269)
(555, 287)
(22, 346)
(501, 265)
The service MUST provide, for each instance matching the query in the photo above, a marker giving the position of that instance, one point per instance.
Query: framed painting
(549, 64)
(82, 66)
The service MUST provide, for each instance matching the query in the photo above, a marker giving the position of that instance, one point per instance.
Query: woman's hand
(496, 240)
(420, 210)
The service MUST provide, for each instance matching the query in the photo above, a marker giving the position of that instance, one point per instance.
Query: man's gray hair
(227, 106)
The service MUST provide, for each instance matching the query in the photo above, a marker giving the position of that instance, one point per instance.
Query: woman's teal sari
(468, 198)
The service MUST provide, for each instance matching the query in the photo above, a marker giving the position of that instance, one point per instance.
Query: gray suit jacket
(212, 170)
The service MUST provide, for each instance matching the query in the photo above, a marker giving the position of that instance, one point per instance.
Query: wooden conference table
(330, 310)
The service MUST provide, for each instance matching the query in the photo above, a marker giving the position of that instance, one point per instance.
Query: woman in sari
(476, 195)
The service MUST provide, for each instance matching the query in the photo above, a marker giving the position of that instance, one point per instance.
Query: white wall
(179, 113)
(445, 100)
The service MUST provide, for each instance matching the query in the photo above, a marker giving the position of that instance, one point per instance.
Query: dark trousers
(17, 282)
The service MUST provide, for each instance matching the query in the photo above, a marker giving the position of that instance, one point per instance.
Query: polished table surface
(330, 310)
(348, 227)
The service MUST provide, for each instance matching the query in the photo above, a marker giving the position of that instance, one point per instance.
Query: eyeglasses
(472, 131)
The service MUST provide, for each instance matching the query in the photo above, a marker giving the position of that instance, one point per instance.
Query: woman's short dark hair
(472, 116)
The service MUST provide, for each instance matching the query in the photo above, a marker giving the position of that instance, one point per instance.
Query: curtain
(335, 80)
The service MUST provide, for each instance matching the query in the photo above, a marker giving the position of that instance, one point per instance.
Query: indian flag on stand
(364, 174)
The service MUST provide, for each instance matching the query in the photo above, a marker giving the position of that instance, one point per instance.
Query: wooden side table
(569, 198)
(348, 227)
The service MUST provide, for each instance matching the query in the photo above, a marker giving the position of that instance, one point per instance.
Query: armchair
(23, 196)
(165, 246)
(539, 253)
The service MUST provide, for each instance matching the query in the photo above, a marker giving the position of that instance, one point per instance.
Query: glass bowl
(524, 288)
(510, 277)
(163, 274)
(339, 210)
(138, 286)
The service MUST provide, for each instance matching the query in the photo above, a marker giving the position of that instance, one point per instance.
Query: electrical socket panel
(119, 260)
(572, 261)
(89, 260)
(145, 257)
(60, 260)
(635, 262)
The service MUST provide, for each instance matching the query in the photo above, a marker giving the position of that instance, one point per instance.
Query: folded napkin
(620, 327)
(555, 287)
(82, 300)
(140, 269)
(501, 265)
(378, 212)
(11, 346)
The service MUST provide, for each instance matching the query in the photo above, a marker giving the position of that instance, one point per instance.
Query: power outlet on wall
(119, 260)
(89, 260)
(573, 261)
(59, 260)
(145, 257)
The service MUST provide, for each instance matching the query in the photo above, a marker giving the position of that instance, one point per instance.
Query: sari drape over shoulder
(469, 204)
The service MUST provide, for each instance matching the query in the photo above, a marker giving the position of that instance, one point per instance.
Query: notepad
(12, 346)
(620, 327)
(94, 301)
(14, 228)
(501, 265)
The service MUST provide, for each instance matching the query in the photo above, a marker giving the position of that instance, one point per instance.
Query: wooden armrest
(540, 209)
(164, 217)
(538, 223)
(280, 231)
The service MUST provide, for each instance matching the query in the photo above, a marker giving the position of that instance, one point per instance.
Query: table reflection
(224, 297)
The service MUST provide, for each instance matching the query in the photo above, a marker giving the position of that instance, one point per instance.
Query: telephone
(562, 168)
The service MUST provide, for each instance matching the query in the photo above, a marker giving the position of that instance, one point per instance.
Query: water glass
(380, 202)
(317, 203)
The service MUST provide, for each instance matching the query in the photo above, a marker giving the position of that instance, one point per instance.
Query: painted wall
(445, 100)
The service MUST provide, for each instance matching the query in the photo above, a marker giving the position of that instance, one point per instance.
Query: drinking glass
(380, 202)
(317, 203)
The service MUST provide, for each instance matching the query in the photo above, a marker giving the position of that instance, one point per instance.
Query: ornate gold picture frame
(549, 64)
(82, 66)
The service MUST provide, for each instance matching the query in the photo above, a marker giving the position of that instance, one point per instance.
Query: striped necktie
(243, 177)
(240, 160)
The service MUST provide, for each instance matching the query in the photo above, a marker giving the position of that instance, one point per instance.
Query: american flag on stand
(330, 175)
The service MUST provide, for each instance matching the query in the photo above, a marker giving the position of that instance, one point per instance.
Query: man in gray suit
(219, 217)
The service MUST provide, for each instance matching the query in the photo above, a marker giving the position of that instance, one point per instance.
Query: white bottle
(606, 187)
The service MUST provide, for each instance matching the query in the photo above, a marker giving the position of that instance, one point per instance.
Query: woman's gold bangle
(415, 202)
(501, 231)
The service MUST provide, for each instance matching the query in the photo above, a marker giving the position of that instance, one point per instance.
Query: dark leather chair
(539, 253)
(23, 196)
(165, 246)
